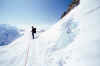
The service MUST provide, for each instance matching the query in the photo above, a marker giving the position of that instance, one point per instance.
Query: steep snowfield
(85, 49)
(73, 41)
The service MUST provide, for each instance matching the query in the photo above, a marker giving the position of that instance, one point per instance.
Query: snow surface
(73, 41)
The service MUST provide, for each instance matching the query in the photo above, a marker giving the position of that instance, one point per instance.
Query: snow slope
(73, 41)
(85, 49)
(38, 52)
(28, 52)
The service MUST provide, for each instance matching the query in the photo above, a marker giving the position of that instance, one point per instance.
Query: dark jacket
(33, 30)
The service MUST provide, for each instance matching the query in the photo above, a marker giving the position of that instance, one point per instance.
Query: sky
(32, 11)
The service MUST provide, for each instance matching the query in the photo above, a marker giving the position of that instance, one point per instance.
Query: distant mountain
(8, 33)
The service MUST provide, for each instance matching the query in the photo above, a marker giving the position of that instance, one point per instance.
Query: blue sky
(32, 11)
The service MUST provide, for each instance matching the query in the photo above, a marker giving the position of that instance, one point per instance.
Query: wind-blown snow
(73, 41)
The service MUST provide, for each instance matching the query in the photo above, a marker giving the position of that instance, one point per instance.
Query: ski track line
(27, 55)
(27, 52)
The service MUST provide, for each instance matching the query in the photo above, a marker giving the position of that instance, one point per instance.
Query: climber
(33, 31)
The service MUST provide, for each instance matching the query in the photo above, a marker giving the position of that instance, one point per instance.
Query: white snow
(73, 41)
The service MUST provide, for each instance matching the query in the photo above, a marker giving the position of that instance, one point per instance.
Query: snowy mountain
(85, 49)
(72, 41)
(41, 51)
(8, 34)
